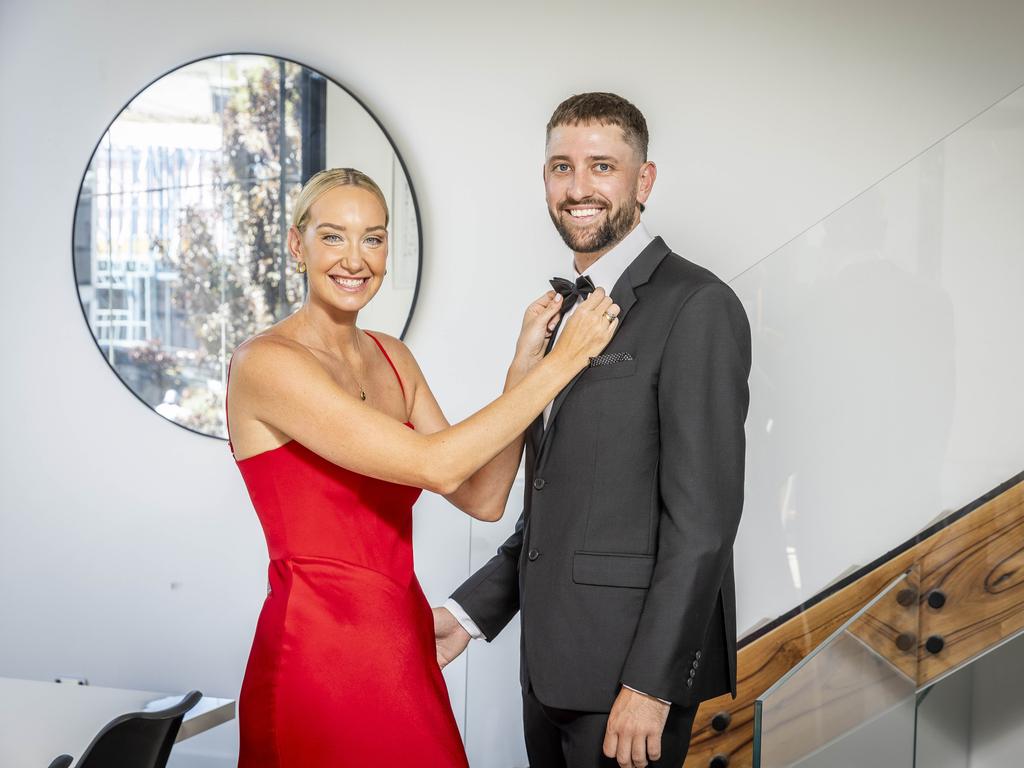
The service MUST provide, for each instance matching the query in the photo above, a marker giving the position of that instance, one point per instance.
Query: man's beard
(616, 226)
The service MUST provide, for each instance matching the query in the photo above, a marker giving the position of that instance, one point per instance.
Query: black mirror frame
(96, 146)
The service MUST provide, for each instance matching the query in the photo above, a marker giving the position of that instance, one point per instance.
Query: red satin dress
(343, 669)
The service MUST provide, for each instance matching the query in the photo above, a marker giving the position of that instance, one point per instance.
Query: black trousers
(565, 738)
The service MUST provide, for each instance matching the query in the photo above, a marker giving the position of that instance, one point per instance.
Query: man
(621, 563)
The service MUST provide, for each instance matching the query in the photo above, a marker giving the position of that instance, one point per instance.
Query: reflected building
(158, 231)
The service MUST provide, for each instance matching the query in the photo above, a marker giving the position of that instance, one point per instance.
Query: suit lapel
(637, 273)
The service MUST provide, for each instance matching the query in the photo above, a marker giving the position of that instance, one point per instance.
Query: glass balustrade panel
(850, 702)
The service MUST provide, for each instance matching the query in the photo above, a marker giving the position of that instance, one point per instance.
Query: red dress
(343, 669)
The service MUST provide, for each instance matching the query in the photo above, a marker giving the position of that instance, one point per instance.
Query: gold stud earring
(302, 267)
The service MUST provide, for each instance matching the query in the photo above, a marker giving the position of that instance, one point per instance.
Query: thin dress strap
(388, 358)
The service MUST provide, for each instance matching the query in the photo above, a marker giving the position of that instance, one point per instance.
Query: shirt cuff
(645, 694)
(463, 618)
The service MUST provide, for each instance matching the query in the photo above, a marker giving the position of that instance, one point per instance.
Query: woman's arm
(279, 383)
(484, 494)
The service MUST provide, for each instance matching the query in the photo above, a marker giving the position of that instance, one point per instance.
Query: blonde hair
(326, 180)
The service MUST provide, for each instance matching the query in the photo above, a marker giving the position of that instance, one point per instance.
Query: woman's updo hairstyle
(329, 179)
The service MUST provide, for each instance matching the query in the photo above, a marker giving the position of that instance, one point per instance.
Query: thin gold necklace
(362, 392)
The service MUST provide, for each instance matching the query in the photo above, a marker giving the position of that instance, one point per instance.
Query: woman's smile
(350, 284)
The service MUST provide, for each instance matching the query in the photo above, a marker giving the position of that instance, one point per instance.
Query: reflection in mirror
(180, 230)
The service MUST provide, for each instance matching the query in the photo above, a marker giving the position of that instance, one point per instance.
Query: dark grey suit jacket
(621, 563)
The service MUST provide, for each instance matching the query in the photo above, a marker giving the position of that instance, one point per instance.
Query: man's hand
(634, 729)
(449, 636)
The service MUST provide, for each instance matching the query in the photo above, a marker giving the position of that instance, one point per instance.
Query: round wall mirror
(179, 246)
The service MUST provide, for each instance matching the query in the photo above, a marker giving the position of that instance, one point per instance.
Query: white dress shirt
(604, 273)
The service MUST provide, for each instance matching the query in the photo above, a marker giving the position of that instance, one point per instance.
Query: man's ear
(645, 181)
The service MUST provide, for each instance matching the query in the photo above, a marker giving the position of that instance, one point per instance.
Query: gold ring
(611, 318)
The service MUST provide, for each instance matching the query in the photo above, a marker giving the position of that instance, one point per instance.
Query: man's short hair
(606, 109)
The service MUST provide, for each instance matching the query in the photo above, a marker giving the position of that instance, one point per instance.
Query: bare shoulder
(270, 356)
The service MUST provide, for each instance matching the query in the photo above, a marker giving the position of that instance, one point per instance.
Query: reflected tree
(233, 261)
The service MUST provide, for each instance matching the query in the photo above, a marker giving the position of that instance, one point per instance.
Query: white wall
(944, 716)
(972, 719)
(997, 739)
(128, 549)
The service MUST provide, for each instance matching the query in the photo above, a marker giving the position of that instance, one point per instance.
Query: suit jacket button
(696, 655)
(534, 554)
(689, 683)
(693, 672)
(538, 483)
(695, 664)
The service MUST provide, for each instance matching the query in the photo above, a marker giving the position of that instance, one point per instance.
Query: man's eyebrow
(591, 158)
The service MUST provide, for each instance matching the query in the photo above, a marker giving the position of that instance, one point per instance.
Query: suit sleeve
(702, 400)
(491, 595)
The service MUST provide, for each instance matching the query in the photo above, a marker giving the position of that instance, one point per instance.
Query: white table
(40, 720)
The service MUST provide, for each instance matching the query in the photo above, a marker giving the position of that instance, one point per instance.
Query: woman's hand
(589, 330)
(539, 323)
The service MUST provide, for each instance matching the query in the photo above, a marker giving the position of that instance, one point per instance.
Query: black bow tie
(571, 291)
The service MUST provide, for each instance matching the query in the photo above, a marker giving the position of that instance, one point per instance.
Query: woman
(336, 432)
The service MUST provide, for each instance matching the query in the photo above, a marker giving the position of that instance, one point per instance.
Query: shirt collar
(607, 270)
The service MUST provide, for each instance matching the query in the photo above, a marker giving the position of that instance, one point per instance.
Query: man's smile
(584, 214)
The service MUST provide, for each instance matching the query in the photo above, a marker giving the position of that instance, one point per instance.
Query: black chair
(135, 740)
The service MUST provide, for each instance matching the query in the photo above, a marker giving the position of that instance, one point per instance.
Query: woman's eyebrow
(328, 225)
